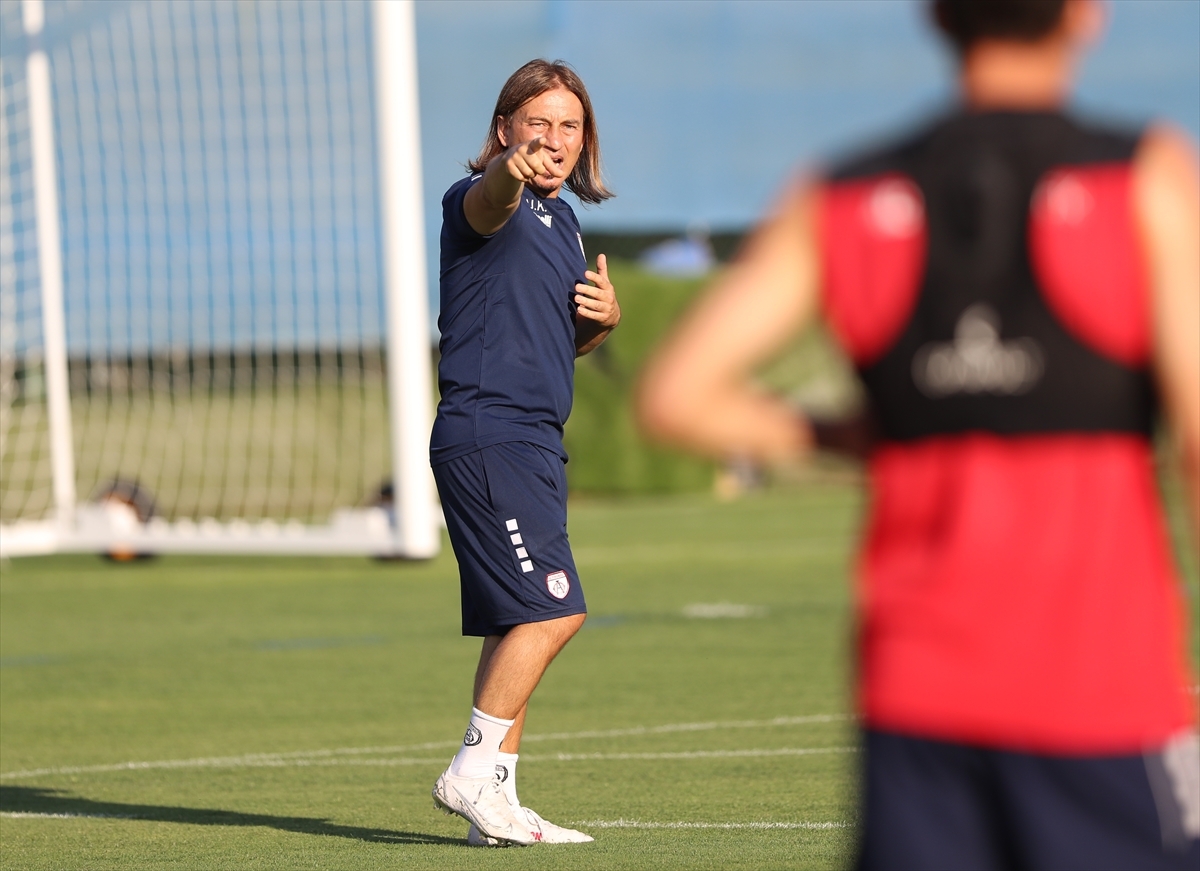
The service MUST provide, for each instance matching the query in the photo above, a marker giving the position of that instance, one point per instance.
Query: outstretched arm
(696, 391)
(597, 312)
(1167, 203)
(489, 204)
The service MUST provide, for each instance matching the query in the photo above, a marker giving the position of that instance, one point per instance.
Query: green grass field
(285, 713)
(280, 713)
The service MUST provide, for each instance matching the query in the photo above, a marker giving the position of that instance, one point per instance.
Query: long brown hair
(533, 80)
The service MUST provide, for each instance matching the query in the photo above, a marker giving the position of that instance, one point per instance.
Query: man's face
(557, 117)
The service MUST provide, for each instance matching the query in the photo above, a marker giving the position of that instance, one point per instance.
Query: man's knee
(550, 635)
(560, 629)
(575, 622)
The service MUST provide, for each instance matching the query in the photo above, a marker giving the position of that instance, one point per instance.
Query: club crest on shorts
(473, 736)
(558, 584)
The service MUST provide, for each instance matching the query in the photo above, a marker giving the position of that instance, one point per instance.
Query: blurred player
(515, 313)
(1017, 290)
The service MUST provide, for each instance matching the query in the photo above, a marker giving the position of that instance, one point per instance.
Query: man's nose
(553, 139)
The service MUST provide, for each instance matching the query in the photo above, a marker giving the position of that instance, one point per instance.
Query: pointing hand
(528, 160)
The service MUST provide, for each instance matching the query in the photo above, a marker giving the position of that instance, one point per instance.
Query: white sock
(477, 755)
(506, 769)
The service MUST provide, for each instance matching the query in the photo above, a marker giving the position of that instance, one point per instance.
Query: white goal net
(236, 294)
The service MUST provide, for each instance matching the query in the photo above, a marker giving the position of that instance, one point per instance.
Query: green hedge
(608, 454)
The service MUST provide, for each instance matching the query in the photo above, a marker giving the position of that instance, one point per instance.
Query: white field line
(638, 824)
(335, 756)
(692, 754)
(689, 727)
(590, 824)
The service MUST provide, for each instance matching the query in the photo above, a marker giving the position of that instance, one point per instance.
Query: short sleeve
(456, 231)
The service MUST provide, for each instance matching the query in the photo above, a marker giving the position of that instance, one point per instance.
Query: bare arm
(597, 312)
(489, 204)
(696, 391)
(1167, 204)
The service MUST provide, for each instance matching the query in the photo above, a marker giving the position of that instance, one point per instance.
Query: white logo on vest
(896, 209)
(977, 361)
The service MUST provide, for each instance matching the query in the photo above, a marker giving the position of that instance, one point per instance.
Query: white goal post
(214, 325)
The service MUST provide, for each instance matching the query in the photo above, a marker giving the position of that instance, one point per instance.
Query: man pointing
(518, 305)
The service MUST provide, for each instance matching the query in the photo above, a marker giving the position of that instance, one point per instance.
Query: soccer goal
(214, 328)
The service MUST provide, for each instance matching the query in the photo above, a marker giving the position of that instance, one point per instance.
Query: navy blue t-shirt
(508, 326)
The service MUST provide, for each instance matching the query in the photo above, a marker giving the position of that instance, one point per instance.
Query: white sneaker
(475, 839)
(481, 801)
(554, 834)
(545, 832)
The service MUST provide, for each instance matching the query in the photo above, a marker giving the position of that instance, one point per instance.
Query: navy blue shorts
(932, 804)
(506, 512)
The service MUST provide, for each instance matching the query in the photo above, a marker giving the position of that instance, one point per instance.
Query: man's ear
(502, 130)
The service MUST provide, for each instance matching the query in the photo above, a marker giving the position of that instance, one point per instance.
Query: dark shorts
(506, 512)
(932, 805)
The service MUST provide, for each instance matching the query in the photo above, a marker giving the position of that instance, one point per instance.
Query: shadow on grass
(37, 801)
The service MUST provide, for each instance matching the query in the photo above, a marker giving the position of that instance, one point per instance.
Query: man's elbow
(663, 409)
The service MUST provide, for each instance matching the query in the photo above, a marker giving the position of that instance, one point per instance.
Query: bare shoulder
(1167, 162)
(1165, 141)
(1166, 192)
